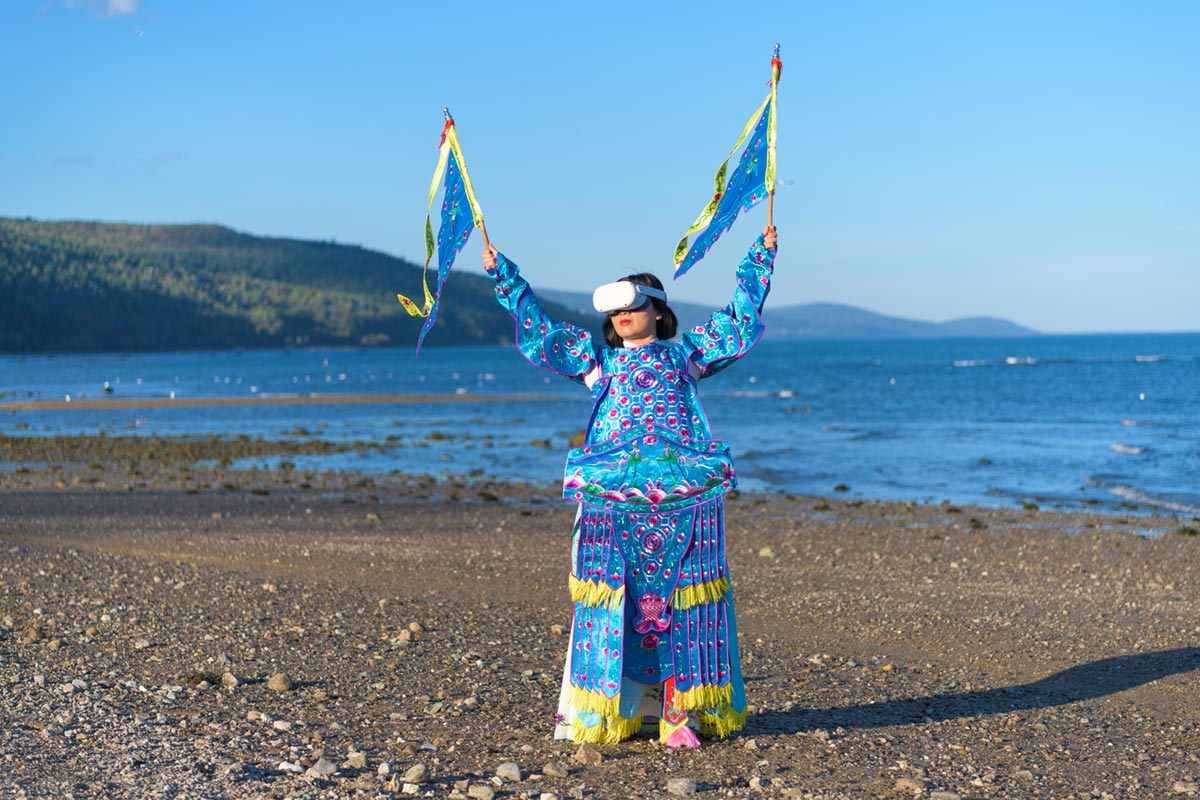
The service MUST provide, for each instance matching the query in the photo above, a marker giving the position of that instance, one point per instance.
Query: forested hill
(89, 286)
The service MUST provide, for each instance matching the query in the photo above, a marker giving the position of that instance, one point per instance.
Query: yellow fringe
(712, 725)
(620, 728)
(585, 700)
(699, 697)
(610, 731)
(595, 593)
(700, 593)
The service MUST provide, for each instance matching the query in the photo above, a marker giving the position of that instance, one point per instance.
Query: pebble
(943, 795)
(910, 785)
(554, 769)
(409, 788)
(287, 766)
(417, 773)
(355, 760)
(681, 787)
(586, 754)
(322, 769)
(481, 791)
(1184, 787)
(231, 681)
(141, 644)
(280, 682)
(509, 772)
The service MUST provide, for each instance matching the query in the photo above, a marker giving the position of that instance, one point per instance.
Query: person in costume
(654, 632)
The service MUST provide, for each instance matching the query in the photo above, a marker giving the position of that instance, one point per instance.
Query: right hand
(770, 238)
(490, 255)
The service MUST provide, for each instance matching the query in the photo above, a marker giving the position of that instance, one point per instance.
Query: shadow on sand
(1084, 682)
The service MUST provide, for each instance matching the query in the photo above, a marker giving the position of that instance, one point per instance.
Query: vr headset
(624, 296)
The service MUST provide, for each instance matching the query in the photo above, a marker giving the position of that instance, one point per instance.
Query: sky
(938, 159)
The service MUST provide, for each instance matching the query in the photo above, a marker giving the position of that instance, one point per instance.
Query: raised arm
(547, 343)
(731, 332)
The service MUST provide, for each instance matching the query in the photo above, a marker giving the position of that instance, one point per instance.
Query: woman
(653, 633)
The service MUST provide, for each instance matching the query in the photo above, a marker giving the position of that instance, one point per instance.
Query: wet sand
(101, 403)
(890, 650)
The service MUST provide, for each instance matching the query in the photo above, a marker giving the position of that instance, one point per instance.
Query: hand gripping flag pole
(460, 215)
(752, 181)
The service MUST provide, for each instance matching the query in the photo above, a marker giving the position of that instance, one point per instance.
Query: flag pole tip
(446, 111)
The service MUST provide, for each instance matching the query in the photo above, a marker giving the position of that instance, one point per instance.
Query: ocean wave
(1016, 360)
(1127, 449)
(1139, 423)
(1149, 359)
(764, 393)
(971, 363)
(1183, 505)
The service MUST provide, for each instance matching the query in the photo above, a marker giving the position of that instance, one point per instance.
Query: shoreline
(95, 403)
(134, 461)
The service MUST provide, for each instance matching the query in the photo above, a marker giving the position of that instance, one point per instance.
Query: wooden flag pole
(776, 69)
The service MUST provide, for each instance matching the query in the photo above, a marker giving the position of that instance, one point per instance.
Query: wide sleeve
(557, 346)
(731, 332)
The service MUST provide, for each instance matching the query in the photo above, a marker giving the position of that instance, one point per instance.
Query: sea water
(1063, 421)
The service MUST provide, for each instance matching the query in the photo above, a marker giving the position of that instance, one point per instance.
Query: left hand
(769, 237)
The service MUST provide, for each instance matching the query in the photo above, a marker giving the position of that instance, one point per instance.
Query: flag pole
(776, 69)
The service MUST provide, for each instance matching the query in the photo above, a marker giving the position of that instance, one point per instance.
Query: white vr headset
(624, 296)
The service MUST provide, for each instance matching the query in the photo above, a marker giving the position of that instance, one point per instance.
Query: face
(636, 327)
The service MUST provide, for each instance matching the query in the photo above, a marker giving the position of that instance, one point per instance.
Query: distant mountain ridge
(95, 287)
(828, 321)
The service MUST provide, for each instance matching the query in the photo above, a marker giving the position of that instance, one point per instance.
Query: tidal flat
(151, 597)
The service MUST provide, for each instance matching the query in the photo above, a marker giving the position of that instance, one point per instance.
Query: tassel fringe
(610, 731)
(721, 726)
(700, 593)
(586, 700)
(699, 697)
(592, 593)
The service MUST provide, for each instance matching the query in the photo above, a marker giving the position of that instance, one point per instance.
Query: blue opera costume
(654, 633)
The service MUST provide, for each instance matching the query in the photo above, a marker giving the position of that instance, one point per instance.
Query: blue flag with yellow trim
(752, 181)
(460, 215)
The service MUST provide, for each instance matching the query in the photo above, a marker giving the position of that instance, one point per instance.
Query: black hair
(664, 328)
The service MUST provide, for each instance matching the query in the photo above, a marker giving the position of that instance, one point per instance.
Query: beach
(890, 649)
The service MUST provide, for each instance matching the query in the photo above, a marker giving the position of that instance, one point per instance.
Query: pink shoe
(682, 737)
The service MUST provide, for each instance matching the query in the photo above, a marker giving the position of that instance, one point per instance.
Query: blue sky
(1028, 160)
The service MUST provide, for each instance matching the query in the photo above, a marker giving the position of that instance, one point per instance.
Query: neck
(639, 342)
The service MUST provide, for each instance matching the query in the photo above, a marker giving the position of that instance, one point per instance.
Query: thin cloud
(109, 8)
(121, 8)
